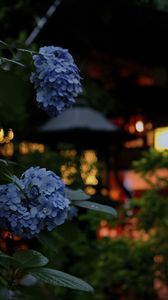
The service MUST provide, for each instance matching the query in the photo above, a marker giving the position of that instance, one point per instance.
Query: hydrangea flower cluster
(32, 203)
(56, 79)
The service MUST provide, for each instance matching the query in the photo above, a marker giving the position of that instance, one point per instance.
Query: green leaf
(4, 162)
(67, 232)
(96, 207)
(8, 163)
(30, 259)
(27, 51)
(6, 294)
(55, 277)
(75, 195)
(3, 45)
(6, 60)
(15, 91)
(5, 259)
(47, 241)
(28, 280)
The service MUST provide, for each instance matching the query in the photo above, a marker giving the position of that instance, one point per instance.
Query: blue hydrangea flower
(56, 79)
(35, 203)
(73, 212)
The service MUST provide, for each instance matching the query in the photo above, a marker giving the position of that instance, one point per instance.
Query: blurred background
(112, 143)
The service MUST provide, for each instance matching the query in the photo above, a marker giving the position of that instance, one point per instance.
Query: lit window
(161, 139)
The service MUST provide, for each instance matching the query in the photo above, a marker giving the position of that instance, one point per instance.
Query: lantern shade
(84, 127)
(82, 118)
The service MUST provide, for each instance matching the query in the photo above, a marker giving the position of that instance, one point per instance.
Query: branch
(41, 23)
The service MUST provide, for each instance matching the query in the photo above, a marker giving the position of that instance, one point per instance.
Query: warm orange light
(69, 153)
(136, 124)
(26, 147)
(144, 80)
(104, 192)
(1, 134)
(6, 138)
(159, 259)
(89, 170)
(148, 126)
(7, 149)
(10, 134)
(131, 129)
(138, 143)
(90, 190)
(150, 138)
(114, 194)
(68, 173)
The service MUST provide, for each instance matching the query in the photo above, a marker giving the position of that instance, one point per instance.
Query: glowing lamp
(161, 138)
(136, 125)
(139, 126)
